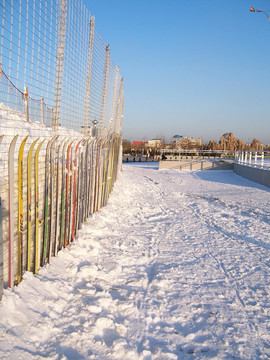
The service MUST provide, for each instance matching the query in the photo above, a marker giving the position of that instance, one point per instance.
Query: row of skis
(79, 175)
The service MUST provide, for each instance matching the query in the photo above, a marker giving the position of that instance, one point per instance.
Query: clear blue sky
(199, 68)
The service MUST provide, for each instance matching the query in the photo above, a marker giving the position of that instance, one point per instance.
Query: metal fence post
(121, 111)
(118, 108)
(26, 104)
(42, 111)
(60, 57)
(113, 117)
(105, 86)
(89, 74)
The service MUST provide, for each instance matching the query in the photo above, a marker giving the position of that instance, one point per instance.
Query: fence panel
(60, 88)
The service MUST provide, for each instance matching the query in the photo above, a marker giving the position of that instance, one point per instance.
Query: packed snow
(175, 266)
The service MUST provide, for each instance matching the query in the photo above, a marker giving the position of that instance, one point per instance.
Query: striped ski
(11, 211)
(20, 207)
(1, 250)
(82, 192)
(1, 243)
(50, 232)
(90, 172)
(63, 195)
(51, 238)
(75, 192)
(29, 204)
(79, 193)
(70, 207)
(37, 251)
(46, 201)
(96, 153)
(58, 200)
(100, 172)
(93, 177)
(110, 180)
(87, 183)
(83, 188)
(67, 194)
(105, 173)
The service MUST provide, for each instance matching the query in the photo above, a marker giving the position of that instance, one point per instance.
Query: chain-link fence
(61, 104)
(51, 52)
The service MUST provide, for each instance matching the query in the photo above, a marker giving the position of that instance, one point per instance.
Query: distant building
(178, 137)
(185, 142)
(178, 141)
(139, 143)
(155, 143)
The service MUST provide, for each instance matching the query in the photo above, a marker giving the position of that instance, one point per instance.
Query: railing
(180, 154)
(256, 159)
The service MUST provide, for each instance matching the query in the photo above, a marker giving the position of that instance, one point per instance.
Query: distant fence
(253, 165)
(180, 154)
(61, 105)
(255, 159)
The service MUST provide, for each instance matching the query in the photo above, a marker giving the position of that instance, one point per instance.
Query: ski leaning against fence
(29, 205)
(59, 186)
(20, 206)
(11, 176)
(1, 242)
(37, 250)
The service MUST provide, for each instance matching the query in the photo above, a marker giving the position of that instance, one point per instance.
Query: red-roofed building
(139, 143)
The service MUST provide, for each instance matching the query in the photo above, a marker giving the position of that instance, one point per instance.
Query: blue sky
(199, 68)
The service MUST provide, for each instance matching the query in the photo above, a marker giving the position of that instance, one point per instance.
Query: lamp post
(260, 11)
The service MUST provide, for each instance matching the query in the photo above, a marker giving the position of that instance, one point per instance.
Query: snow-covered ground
(176, 266)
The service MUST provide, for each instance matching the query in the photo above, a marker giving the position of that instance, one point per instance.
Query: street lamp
(259, 11)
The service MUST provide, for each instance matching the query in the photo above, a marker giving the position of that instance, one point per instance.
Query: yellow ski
(37, 257)
(20, 206)
(29, 204)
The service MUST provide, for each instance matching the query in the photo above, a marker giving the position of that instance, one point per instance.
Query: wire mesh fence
(51, 52)
(61, 104)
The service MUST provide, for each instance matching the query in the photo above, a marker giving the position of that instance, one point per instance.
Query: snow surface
(176, 266)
